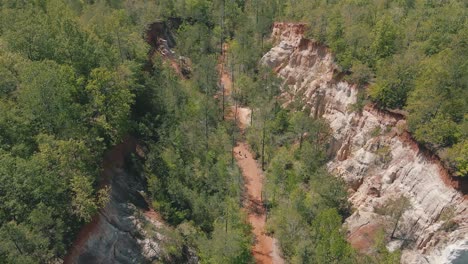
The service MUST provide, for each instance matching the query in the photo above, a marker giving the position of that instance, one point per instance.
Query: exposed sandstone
(374, 155)
(126, 230)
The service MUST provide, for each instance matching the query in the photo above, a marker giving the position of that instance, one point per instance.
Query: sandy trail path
(265, 249)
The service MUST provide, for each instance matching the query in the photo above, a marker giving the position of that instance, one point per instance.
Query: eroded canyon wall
(126, 230)
(375, 155)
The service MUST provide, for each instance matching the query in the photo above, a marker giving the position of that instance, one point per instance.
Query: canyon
(375, 155)
(371, 150)
(265, 248)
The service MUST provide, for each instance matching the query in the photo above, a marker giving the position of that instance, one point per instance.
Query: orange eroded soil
(265, 249)
(226, 81)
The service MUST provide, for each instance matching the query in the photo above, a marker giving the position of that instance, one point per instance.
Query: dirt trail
(265, 249)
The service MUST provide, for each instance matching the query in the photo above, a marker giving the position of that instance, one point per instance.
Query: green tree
(47, 97)
(437, 105)
(83, 203)
(330, 245)
(302, 125)
(8, 77)
(385, 36)
(110, 101)
(394, 82)
(22, 245)
(458, 157)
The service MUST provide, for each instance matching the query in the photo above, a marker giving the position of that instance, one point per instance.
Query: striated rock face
(126, 230)
(376, 157)
(116, 235)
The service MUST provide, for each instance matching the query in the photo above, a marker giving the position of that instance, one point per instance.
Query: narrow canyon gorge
(371, 150)
(233, 132)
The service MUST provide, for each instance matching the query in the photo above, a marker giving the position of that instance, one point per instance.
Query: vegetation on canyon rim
(414, 55)
(73, 83)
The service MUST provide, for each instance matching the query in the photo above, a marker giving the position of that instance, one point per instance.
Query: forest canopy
(76, 79)
(411, 55)
(68, 79)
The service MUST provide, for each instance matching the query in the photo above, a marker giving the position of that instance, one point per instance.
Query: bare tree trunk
(263, 146)
(262, 41)
(396, 225)
(232, 149)
(251, 116)
(223, 96)
(206, 119)
(227, 216)
(222, 30)
(118, 43)
(206, 110)
(300, 140)
(233, 93)
(256, 11)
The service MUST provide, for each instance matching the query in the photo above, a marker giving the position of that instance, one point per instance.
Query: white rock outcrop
(375, 155)
(126, 230)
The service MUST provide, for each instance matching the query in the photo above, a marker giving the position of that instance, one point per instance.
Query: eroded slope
(376, 157)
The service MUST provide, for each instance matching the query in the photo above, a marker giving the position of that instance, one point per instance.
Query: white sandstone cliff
(375, 156)
(126, 230)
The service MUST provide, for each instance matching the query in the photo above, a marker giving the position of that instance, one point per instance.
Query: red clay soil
(226, 80)
(152, 214)
(363, 238)
(265, 250)
(225, 77)
(458, 183)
